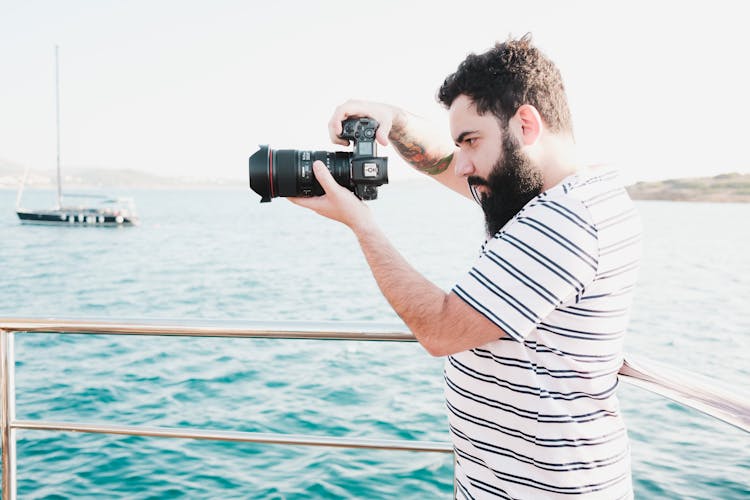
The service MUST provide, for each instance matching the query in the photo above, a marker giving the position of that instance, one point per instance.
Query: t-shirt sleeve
(539, 260)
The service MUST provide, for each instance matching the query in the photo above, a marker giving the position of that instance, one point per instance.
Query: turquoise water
(218, 254)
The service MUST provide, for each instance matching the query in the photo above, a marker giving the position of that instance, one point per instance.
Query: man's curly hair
(507, 76)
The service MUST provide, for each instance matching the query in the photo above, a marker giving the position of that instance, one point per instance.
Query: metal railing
(688, 391)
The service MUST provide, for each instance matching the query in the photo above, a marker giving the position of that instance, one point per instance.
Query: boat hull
(86, 217)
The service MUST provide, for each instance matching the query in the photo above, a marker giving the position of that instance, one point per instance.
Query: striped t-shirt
(535, 414)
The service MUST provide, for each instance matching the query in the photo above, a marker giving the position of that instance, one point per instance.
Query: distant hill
(11, 175)
(721, 188)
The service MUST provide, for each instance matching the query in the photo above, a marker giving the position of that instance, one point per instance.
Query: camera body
(368, 171)
(288, 172)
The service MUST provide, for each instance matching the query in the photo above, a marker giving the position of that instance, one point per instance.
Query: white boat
(106, 212)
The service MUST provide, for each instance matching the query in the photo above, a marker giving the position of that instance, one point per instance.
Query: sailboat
(106, 212)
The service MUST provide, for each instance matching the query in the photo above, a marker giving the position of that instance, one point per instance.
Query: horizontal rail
(224, 329)
(687, 390)
(237, 436)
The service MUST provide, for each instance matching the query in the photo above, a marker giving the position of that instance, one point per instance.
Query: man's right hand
(384, 114)
(427, 150)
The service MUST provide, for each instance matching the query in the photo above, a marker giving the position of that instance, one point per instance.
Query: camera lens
(288, 172)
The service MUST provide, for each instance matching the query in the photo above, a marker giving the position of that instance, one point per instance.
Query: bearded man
(533, 332)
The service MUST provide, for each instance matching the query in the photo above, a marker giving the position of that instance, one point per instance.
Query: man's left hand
(338, 203)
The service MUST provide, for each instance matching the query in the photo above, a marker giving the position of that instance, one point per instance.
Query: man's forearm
(418, 302)
(418, 145)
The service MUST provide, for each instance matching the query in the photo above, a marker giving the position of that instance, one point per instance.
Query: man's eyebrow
(462, 136)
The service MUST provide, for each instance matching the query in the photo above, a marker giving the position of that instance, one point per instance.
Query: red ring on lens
(270, 171)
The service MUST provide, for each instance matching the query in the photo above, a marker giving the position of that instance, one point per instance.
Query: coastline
(722, 188)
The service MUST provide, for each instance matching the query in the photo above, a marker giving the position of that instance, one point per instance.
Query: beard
(512, 183)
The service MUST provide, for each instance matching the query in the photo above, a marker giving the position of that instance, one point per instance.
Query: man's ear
(531, 124)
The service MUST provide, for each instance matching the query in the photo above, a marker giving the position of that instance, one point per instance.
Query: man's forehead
(463, 118)
(463, 104)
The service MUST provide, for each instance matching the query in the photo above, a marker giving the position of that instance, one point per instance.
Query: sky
(187, 88)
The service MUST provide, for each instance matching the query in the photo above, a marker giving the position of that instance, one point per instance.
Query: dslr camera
(288, 172)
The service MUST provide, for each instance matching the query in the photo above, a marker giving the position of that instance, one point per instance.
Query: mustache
(474, 180)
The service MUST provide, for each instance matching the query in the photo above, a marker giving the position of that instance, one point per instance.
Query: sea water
(219, 254)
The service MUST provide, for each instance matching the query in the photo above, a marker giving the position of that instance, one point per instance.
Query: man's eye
(471, 141)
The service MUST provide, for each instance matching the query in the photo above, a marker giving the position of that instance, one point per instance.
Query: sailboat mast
(57, 112)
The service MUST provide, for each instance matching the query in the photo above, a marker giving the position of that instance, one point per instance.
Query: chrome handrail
(688, 391)
(237, 436)
(7, 402)
(224, 329)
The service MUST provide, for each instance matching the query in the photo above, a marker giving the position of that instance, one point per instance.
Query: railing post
(455, 483)
(8, 403)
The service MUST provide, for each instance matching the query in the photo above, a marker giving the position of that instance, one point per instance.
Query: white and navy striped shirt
(535, 414)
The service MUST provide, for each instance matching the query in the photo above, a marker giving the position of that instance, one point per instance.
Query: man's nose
(464, 167)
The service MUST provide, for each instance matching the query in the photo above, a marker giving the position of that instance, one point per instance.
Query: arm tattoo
(439, 167)
(414, 153)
